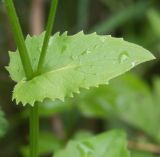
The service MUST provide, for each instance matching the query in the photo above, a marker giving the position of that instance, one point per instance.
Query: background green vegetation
(131, 102)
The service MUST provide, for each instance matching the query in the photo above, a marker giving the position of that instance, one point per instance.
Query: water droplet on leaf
(85, 149)
(123, 57)
(88, 51)
(133, 64)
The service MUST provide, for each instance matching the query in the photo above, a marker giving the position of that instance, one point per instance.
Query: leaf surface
(128, 99)
(110, 144)
(73, 62)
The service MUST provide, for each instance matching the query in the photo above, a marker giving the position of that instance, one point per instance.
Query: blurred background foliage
(130, 102)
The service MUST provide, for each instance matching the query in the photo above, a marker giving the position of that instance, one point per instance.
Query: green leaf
(136, 105)
(73, 62)
(115, 98)
(110, 144)
(129, 99)
(98, 102)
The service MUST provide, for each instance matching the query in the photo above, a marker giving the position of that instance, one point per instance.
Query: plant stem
(18, 35)
(26, 63)
(37, 17)
(34, 130)
(49, 27)
(147, 147)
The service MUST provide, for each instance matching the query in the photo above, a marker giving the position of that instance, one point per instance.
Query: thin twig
(148, 147)
(58, 126)
(37, 17)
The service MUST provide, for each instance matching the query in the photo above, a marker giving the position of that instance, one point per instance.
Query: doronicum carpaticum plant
(55, 67)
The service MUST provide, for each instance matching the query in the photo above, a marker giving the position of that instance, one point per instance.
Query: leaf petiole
(49, 27)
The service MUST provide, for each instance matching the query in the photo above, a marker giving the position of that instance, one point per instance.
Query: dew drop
(85, 149)
(133, 64)
(88, 51)
(123, 57)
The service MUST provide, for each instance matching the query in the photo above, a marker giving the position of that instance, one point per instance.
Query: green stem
(49, 27)
(34, 130)
(18, 35)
